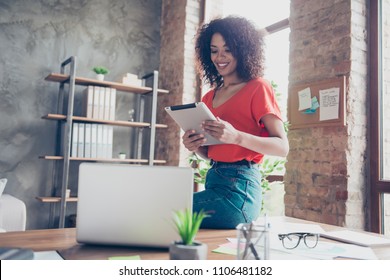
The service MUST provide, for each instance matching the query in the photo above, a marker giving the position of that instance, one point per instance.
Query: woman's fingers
(192, 141)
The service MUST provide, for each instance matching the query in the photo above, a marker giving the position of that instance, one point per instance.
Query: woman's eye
(213, 51)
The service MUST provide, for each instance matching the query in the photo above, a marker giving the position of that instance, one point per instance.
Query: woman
(231, 59)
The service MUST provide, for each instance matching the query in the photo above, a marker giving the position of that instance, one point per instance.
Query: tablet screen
(191, 116)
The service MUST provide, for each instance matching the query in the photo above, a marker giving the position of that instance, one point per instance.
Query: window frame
(378, 186)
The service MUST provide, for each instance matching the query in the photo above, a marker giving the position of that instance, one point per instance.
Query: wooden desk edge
(64, 242)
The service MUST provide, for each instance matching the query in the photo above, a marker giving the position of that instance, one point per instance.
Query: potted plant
(187, 225)
(122, 155)
(100, 71)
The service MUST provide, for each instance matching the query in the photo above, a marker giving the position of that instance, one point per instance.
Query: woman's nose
(221, 54)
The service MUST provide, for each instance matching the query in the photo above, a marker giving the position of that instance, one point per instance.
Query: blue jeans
(232, 195)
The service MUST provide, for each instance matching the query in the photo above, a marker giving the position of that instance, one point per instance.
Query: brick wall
(326, 177)
(179, 22)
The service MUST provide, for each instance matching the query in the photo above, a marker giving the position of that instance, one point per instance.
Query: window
(380, 117)
(272, 18)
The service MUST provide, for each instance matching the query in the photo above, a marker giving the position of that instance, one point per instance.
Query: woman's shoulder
(260, 85)
(208, 95)
(260, 81)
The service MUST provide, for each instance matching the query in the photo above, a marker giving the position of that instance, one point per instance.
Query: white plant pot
(179, 251)
(122, 156)
(100, 77)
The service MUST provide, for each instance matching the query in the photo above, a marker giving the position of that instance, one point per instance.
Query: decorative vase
(100, 77)
(180, 251)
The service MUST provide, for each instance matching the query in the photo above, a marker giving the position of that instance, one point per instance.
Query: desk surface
(64, 241)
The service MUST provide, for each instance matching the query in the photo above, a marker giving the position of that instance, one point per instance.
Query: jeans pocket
(252, 203)
(221, 177)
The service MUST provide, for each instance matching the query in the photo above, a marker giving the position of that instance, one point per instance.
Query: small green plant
(200, 167)
(268, 167)
(100, 70)
(188, 224)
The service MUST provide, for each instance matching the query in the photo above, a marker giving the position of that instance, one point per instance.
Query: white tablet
(191, 116)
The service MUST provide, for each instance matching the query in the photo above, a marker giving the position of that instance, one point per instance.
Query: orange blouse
(244, 111)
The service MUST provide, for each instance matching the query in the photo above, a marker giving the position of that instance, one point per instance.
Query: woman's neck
(228, 83)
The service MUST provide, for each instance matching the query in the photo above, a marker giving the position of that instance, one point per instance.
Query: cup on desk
(252, 242)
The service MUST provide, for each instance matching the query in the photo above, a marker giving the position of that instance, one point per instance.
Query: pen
(249, 243)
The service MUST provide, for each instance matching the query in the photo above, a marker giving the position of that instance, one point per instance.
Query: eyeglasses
(292, 240)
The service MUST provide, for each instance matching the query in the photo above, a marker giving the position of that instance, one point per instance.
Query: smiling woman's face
(221, 56)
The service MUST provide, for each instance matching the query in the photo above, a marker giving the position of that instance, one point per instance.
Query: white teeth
(222, 64)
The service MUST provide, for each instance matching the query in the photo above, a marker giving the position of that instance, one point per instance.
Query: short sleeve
(264, 101)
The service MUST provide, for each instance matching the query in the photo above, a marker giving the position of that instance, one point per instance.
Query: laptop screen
(122, 204)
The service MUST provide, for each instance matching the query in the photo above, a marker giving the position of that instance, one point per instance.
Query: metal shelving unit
(65, 117)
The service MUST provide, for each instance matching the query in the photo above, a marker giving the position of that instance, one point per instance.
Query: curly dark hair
(244, 41)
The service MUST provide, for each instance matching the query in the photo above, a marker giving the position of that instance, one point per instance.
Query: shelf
(66, 131)
(60, 78)
(55, 199)
(157, 161)
(116, 123)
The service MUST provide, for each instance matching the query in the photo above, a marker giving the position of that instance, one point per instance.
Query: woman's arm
(276, 144)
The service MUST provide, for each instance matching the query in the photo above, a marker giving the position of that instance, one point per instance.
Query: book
(104, 141)
(80, 144)
(88, 102)
(99, 141)
(112, 104)
(107, 98)
(8, 253)
(94, 140)
(87, 143)
(96, 99)
(75, 139)
(110, 135)
(357, 238)
(101, 102)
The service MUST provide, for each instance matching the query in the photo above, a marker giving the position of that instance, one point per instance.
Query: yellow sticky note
(225, 250)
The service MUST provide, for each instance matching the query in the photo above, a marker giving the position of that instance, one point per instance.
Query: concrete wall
(35, 37)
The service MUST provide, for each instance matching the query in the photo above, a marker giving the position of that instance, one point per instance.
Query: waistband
(241, 162)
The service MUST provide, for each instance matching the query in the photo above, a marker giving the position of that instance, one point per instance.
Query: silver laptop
(120, 204)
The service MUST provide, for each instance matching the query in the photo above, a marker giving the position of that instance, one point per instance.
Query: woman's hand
(193, 141)
(221, 130)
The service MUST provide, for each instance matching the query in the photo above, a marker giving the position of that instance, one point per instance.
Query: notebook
(121, 204)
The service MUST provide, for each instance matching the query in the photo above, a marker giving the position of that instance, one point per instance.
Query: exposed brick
(341, 195)
(330, 219)
(329, 38)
